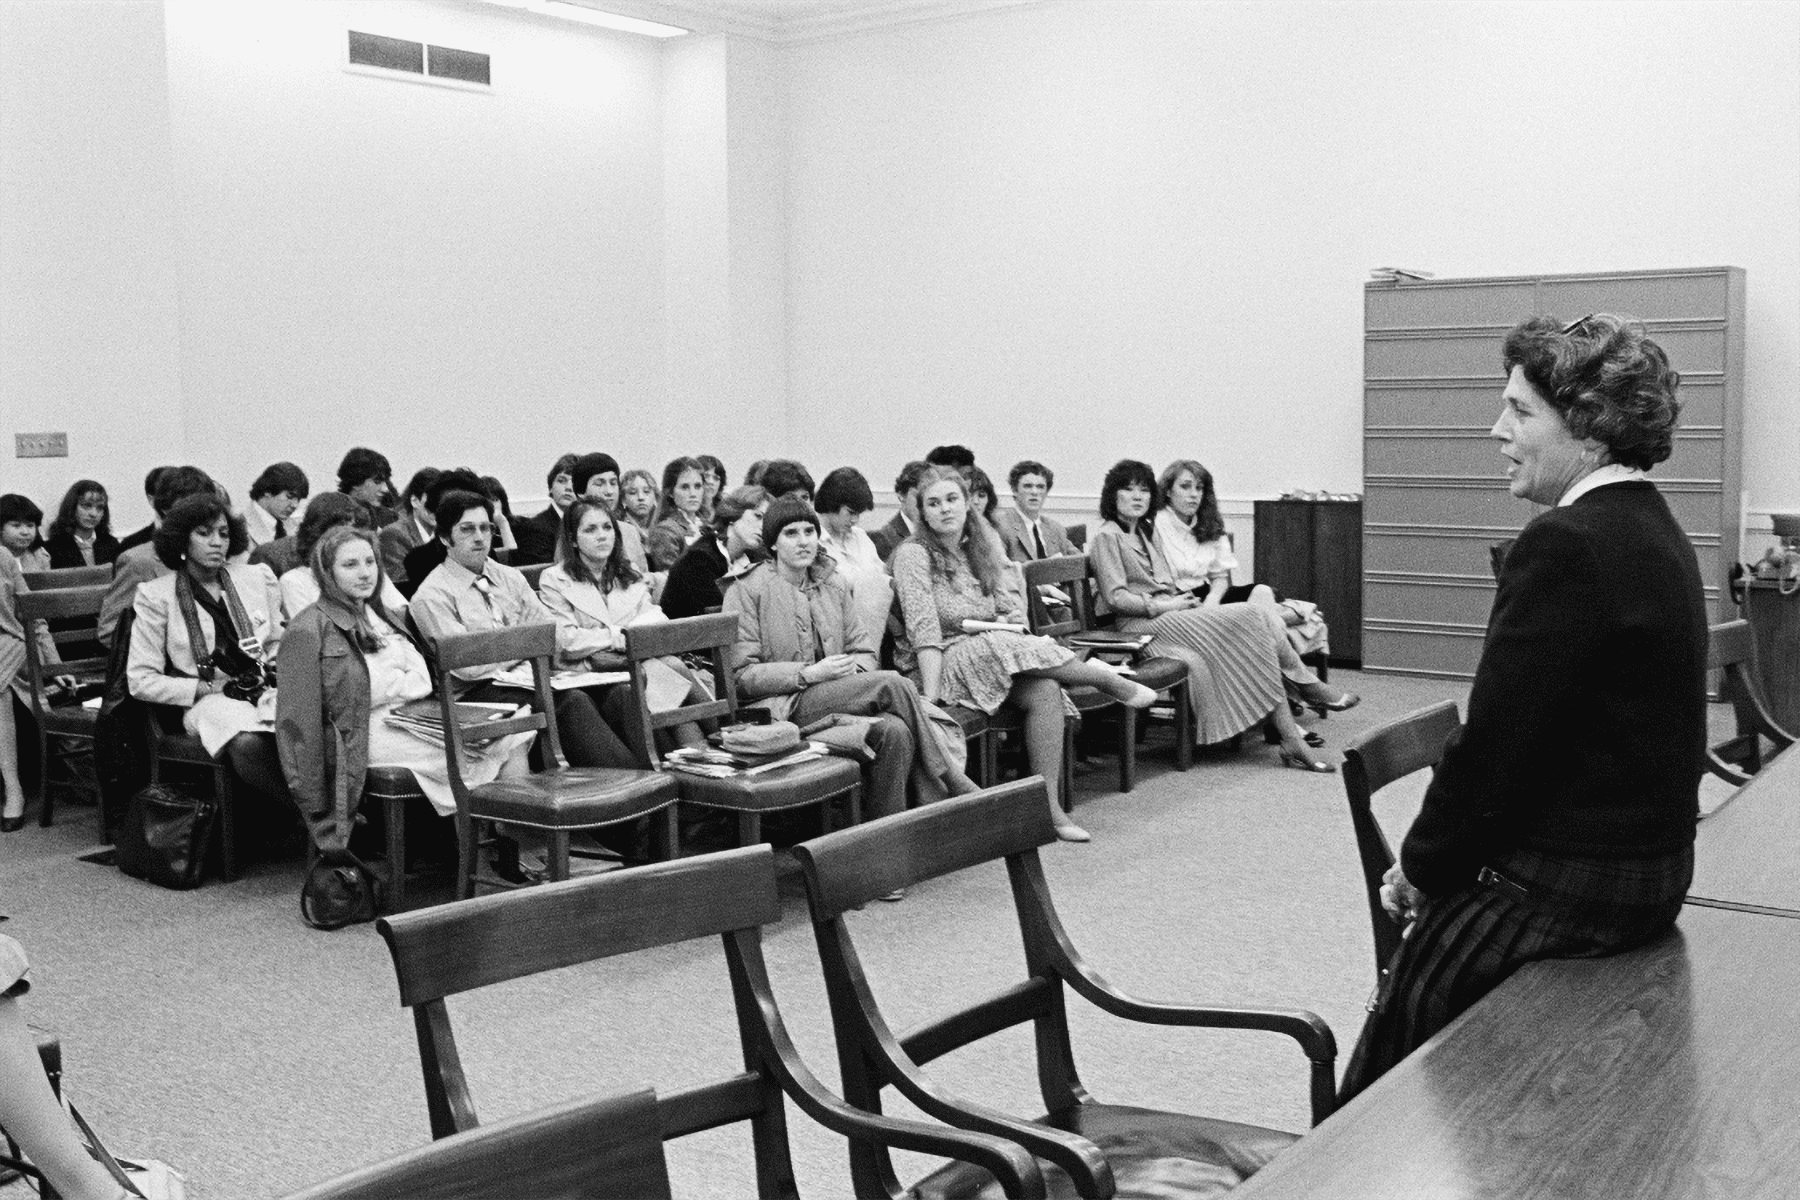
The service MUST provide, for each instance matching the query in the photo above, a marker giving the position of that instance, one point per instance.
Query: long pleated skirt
(1234, 665)
(1464, 945)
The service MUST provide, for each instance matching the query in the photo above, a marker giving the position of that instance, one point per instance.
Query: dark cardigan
(65, 553)
(693, 583)
(1587, 722)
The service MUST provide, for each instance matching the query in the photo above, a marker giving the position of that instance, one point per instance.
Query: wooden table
(1747, 854)
(1666, 1073)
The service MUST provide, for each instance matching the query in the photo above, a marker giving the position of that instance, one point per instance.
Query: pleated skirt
(1463, 946)
(1234, 665)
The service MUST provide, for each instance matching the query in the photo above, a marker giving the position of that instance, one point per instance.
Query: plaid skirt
(1464, 945)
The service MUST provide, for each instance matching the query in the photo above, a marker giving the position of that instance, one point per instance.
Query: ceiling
(796, 20)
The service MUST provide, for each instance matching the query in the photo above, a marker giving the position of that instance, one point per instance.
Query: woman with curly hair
(951, 581)
(1560, 821)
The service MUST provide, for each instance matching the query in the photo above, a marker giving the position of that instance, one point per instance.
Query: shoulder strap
(190, 613)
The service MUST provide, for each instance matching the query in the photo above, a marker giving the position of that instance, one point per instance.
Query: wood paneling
(1435, 490)
(1313, 550)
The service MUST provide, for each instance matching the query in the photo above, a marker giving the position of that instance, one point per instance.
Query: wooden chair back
(1731, 650)
(1373, 761)
(535, 643)
(586, 1149)
(1069, 574)
(533, 572)
(847, 869)
(710, 637)
(68, 577)
(65, 603)
(456, 948)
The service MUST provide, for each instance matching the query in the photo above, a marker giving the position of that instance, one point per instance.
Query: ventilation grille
(418, 58)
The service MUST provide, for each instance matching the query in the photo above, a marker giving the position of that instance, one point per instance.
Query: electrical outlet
(41, 445)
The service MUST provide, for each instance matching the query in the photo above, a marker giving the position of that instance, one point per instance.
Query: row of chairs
(612, 1146)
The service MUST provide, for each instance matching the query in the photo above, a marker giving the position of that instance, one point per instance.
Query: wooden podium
(1775, 622)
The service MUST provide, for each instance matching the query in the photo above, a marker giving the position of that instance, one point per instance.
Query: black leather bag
(164, 836)
(339, 890)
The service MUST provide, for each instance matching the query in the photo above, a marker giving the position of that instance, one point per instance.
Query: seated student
(13, 683)
(637, 500)
(204, 633)
(1027, 533)
(785, 477)
(140, 564)
(346, 663)
(275, 496)
(494, 490)
(300, 583)
(142, 536)
(904, 523)
(365, 475)
(423, 558)
(596, 594)
(678, 512)
(596, 477)
(754, 472)
(469, 592)
(712, 483)
(537, 535)
(399, 538)
(804, 653)
(81, 535)
(19, 532)
(736, 534)
(960, 459)
(844, 496)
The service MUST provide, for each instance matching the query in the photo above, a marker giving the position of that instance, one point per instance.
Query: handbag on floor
(164, 836)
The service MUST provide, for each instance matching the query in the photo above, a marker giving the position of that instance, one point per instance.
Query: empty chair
(1098, 1146)
(1732, 650)
(68, 719)
(594, 1148)
(445, 951)
(749, 796)
(557, 800)
(1167, 676)
(1373, 761)
(68, 577)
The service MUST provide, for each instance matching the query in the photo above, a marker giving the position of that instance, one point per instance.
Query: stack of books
(714, 763)
(423, 718)
(1109, 640)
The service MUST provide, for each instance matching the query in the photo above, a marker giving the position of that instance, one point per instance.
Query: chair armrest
(1305, 1027)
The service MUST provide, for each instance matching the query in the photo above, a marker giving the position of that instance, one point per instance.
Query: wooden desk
(1747, 854)
(1666, 1073)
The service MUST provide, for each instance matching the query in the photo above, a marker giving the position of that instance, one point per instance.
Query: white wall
(1085, 231)
(88, 335)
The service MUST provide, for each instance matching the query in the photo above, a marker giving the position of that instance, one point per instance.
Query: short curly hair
(188, 514)
(1607, 380)
(1123, 474)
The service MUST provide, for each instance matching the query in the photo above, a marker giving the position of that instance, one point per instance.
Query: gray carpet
(212, 1029)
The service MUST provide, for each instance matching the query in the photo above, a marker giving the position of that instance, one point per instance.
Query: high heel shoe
(1272, 736)
(1345, 700)
(1068, 831)
(1300, 762)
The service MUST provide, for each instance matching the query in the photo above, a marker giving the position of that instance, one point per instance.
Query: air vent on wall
(424, 62)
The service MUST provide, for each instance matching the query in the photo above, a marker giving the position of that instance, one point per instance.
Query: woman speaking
(1560, 823)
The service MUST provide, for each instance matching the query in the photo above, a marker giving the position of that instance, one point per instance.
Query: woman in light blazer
(204, 636)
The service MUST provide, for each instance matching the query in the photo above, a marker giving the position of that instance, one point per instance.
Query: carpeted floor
(214, 1030)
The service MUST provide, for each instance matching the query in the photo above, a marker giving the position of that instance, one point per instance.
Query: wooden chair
(68, 577)
(1371, 762)
(1732, 650)
(533, 572)
(445, 951)
(588, 1149)
(559, 799)
(1073, 576)
(982, 740)
(393, 788)
(1092, 1143)
(70, 721)
(749, 796)
(187, 750)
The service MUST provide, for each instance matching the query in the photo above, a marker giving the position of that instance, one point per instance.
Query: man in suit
(140, 564)
(400, 537)
(1026, 531)
(887, 539)
(536, 536)
(142, 537)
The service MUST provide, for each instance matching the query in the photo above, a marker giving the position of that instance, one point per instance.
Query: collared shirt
(453, 599)
(1600, 477)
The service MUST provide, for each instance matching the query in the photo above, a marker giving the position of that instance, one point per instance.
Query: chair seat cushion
(974, 722)
(1159, 674)
(784, 787)
(573, 798)
(1154, 1155)
(390, 781)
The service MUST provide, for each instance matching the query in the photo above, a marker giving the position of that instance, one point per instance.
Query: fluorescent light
(606, 20)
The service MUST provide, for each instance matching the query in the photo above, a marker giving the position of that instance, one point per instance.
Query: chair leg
(1127, 748)
(670, 821)
(1068, 767)
(853, 806)
(394, 813)
(1184, 729)
(558, 850)
(227, 800)
(749, 828)
(468, 845)
(46, 805)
